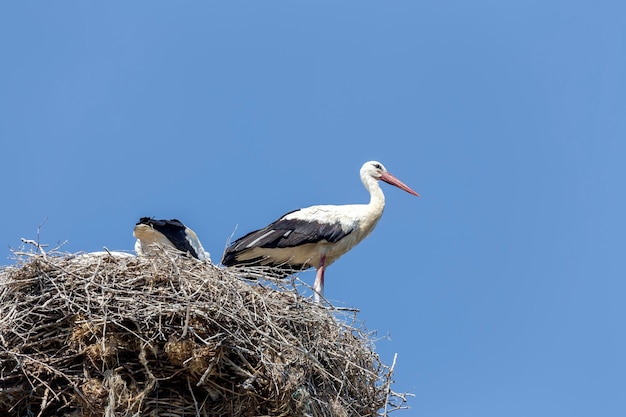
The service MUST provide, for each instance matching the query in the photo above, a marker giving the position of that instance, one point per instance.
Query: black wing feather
(284, 234)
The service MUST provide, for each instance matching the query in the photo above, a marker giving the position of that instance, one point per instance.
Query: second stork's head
(377, 171)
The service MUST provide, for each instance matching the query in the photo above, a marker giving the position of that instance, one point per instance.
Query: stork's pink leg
(318, 287)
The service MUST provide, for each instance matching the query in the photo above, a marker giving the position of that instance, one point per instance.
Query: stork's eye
(377, 166)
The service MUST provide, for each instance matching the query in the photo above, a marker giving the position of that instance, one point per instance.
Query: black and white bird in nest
(172, 233)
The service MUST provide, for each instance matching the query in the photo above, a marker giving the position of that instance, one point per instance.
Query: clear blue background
(501, 288)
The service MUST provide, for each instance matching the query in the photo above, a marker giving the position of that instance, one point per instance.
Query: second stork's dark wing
(285, 233)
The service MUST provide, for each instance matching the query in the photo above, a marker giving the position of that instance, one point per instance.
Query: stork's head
(376, 170)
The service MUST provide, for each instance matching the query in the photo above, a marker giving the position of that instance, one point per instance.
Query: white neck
(377, 198)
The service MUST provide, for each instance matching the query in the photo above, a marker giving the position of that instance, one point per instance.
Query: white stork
(173, 233)
(315, 236)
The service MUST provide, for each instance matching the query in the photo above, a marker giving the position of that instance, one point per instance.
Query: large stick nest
(107, 335)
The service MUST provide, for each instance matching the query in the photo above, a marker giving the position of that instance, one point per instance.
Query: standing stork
(173, 233)
(316, 236)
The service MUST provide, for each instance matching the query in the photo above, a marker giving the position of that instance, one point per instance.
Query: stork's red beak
(390, 179)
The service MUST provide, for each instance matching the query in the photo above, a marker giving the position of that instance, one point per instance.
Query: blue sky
(501, 288)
